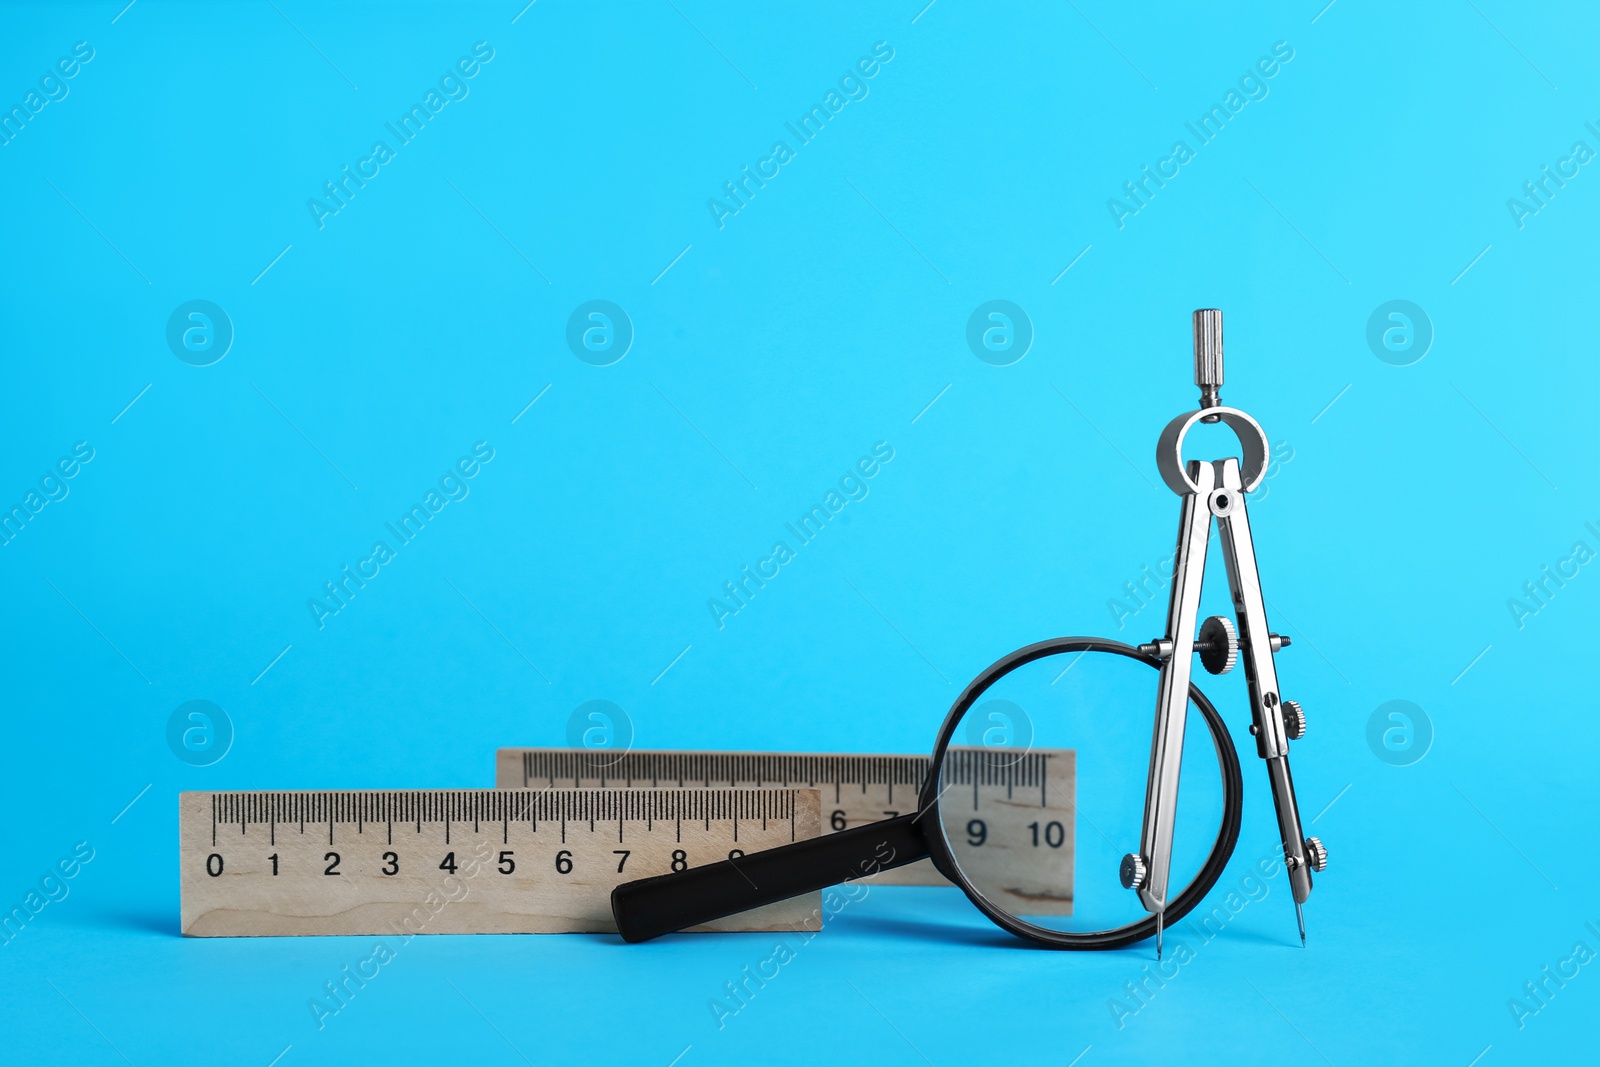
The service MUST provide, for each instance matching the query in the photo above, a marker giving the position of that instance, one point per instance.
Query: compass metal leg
(1273, 718)
(1150, 871)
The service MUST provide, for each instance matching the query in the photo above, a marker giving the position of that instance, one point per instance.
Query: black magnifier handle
(667, 903)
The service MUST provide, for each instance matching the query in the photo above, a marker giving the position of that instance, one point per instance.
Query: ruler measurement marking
(552, 766)
(999, 781)
(254, 900)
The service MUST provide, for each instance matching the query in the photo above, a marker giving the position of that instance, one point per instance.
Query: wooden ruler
(458, 861)
(1006, 813)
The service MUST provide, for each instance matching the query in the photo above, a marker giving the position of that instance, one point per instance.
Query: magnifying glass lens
(1041, 792)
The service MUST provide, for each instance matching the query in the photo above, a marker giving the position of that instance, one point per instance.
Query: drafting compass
(1216, 489)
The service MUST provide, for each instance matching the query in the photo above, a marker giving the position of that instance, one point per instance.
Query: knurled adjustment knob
(1133, 871)
(1316, 853)
(1294, 720)
(1208, 357)
(1218, 645)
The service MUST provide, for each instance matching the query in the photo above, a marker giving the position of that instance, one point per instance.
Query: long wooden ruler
(1004, 812)
(456, 861)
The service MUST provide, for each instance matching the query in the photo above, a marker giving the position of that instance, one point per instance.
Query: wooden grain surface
(1007, 791)
(464, 861)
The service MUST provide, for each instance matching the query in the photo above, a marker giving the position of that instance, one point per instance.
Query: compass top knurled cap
(1208, 349)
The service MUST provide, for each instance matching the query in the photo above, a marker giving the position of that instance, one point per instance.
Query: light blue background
(822, 318)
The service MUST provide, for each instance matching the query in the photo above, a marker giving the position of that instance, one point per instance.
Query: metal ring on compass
(1169, 449)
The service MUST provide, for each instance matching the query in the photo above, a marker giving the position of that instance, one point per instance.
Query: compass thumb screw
(1294, 720)
(1133, 872)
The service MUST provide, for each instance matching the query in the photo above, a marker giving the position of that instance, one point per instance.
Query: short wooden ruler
(1005, 812)
(457, 861)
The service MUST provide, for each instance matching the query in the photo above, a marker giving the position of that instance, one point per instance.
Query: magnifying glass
(1041, 856)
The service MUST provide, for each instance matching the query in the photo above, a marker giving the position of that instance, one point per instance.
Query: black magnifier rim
(1118, 937)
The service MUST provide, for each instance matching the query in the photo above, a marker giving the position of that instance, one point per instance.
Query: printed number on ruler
(1020, 800)
(459, 861)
